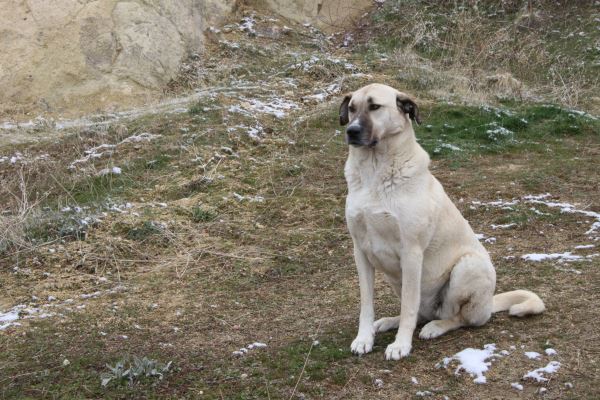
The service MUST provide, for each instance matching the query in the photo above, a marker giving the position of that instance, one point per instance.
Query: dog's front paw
(397, 350)
(362, 344)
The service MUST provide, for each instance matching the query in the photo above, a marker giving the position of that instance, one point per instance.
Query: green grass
(485, 130)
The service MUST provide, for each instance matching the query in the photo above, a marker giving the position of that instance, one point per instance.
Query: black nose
(353, 131)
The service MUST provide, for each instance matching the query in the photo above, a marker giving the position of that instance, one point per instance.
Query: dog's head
(374, 112)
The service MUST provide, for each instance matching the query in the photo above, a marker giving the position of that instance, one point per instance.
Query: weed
(134, 370)
(200, 214)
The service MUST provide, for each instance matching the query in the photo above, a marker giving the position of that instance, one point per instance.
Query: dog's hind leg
(468, 301)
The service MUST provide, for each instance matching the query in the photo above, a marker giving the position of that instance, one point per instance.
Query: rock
(84, 55)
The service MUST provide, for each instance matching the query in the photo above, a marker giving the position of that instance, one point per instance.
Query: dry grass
(548, 51)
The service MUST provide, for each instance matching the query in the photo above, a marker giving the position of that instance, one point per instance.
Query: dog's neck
(391, 162)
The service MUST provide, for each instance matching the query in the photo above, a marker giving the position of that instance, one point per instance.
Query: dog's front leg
(366, 334)
(412, 262)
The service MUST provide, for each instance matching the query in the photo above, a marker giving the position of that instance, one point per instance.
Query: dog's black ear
(409, 107)
(344, 110)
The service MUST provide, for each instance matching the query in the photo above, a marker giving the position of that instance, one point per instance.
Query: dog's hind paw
(431, 330)
(362, 345)
(438, 327)
(396, 351)
(386, 324)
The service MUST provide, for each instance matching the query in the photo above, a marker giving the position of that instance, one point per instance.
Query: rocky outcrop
(64, 54)
(71, 57)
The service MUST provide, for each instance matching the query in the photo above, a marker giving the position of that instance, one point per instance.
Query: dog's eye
(352, 109)
(374, 107)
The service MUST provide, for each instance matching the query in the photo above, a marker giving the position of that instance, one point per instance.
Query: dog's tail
(519, 303)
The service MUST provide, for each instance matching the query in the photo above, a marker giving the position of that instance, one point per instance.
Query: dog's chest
(376, 232)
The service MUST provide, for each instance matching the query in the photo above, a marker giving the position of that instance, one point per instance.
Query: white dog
(403, 224)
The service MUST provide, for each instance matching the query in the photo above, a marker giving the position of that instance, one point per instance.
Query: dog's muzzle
(356, 136)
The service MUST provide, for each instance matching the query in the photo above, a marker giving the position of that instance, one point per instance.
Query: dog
(403, 224)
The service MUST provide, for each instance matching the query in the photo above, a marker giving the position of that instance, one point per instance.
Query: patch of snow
(450, 146)
(108, 171)
(94, 153)
(91, 295)
(536, 197)
(516, 385)
(497, 203)
(8, 318)
(583, 113)
(256, 345)
(538, 212)
(550, 352)
(324, 93)
(567, 256)
(414, 380)
(142, 137)
(23, 311)
(537, 374)
(566, 208)
(251, 199)
(247, 25)
(238, 197)
(423, 393)
(348, 39)
(276, 106)
(108, 149)
(498, 131)
(473, 361)
(585, 246)
(533, 355)
(503, 226)
(378, 383)
(244, 350)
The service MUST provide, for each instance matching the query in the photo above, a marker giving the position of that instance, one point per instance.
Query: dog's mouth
(356, 142)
